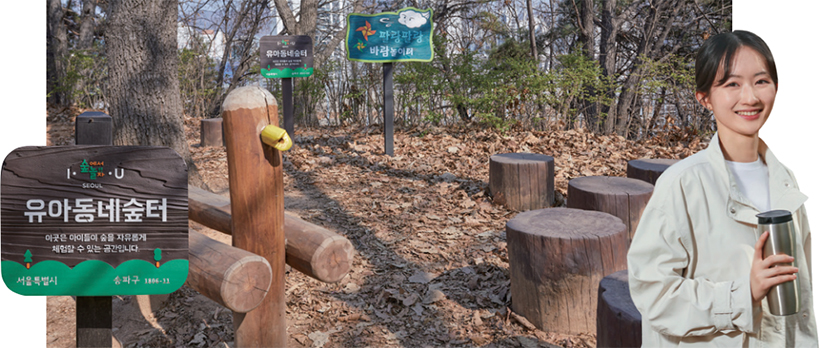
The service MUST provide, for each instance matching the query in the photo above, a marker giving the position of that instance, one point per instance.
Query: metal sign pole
(93, 313)
(287, 105)
(388, 108)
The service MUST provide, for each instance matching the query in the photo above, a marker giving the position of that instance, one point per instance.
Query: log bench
(557, 258)
(522, 181)
(619, 322)
(211, 132)
(648, 169)
(310, 249)
(623, 197)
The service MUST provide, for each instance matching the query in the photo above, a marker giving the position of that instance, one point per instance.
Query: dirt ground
(431, 268)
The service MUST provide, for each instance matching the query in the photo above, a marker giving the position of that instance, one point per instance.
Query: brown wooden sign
(68, 211)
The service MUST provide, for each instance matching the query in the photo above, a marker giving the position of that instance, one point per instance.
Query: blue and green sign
(401, 36)
(94, 220)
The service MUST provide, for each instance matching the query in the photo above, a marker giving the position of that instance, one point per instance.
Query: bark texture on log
(623, 197)
(557, 258)
(522, 181)
(257, 206)
(311, 249)
(648, 169)
(619, 322)
(234, 278)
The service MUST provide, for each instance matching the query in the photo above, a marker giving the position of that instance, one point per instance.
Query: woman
(696, 271)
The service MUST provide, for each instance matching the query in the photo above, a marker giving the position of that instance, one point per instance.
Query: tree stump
(619, 322)
(211, 132)
(648, 169)
(522, 181)
(557, 257)
(623, 197)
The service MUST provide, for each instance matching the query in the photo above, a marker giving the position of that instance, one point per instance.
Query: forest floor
(431, 265)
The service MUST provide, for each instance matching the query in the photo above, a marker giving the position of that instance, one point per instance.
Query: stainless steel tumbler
(783, 299)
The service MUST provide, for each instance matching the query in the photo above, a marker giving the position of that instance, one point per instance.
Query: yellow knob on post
(276, 137)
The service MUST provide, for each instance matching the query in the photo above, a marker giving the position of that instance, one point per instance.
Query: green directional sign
(285, 56)
(94, 220)
(401, 36)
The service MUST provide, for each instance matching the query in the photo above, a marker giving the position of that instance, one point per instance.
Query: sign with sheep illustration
(401, 36)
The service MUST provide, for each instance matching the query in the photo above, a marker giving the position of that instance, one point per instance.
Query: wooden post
(388, 108)
(257, 204)
(557, 257)
(310, 249)
(93, 313)
(211, 132)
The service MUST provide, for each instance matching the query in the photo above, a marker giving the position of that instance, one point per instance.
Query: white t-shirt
(753, 181)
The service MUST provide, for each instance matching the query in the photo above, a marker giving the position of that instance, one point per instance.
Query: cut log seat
(557, 258)
(619, 322)
(522, 181)
(648, 169)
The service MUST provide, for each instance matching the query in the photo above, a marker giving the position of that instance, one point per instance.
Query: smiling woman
(737, 80)
(696, 271)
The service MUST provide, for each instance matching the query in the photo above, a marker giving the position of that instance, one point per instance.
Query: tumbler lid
(774, 217)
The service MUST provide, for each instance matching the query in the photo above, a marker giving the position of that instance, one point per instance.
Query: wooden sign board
(94, 220)
(285, 56)
(402, 36)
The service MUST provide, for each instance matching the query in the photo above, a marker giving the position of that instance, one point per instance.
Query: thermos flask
(783, 299)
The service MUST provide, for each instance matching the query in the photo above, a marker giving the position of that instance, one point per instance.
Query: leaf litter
(431, 267)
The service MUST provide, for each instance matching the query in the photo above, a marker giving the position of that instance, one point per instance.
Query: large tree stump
(648, 169)
(557, 257)
(623, 197)
(211, 132)
(619, 322)
(522, 181)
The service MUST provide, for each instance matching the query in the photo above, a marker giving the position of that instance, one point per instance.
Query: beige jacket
(690, 259)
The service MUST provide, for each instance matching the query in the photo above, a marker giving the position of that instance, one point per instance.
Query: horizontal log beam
(310, 249)
(234, 278)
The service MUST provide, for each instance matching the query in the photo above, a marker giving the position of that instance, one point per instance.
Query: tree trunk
(587, 37)
(144, 99)
(57, 53)
(530, 16)
(86, 38)
(608, 53)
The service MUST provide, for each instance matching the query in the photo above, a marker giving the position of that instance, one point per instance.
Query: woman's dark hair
(723, 47)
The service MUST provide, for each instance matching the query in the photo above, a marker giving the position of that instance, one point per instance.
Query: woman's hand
(763, 276)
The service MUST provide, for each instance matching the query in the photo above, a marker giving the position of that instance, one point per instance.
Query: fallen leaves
(432, 264)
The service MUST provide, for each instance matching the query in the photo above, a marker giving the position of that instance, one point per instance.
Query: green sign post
(387, 37)
(285, 57)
